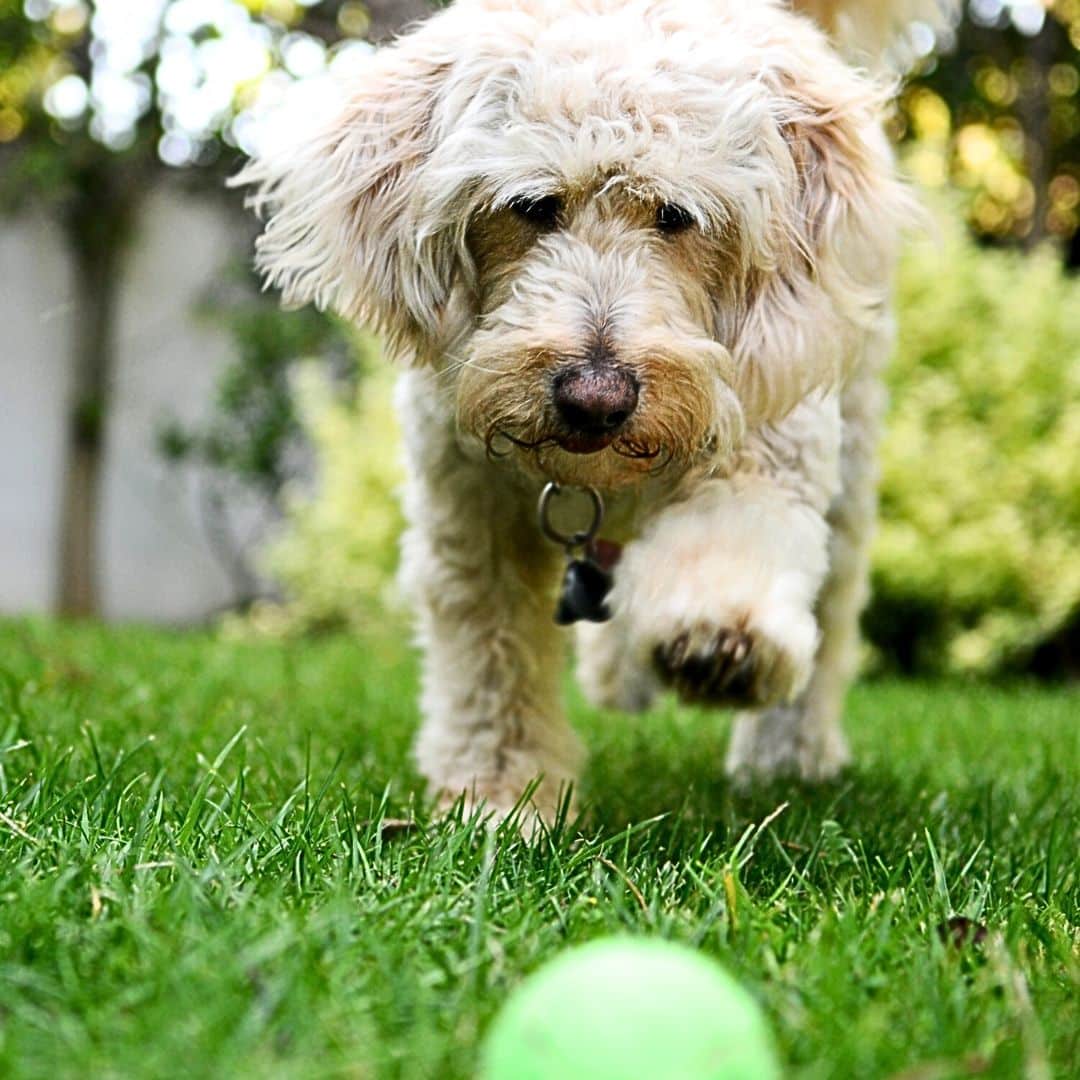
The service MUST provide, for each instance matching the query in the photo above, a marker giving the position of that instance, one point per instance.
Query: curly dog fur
(686, 212)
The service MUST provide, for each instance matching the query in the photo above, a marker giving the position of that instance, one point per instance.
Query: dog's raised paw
(729, 665)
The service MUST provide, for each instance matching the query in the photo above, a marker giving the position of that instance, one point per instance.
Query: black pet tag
(585, 588)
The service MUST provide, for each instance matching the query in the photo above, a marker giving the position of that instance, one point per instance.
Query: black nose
(595, 398)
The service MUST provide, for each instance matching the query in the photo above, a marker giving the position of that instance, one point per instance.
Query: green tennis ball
(623, 1009)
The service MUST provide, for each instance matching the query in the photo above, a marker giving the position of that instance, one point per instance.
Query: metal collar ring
(571, 540)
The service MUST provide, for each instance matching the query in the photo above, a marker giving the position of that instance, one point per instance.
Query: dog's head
(622, 231)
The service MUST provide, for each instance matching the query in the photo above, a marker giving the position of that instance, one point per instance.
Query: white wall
(155, 561)
(35, 335)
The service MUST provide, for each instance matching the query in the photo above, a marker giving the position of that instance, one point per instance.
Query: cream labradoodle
(642, 246)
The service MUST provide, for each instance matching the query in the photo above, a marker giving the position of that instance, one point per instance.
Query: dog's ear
(806, 317)
(343, 229)
(881, 34)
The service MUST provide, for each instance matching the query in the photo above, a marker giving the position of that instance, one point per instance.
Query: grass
(197, 876)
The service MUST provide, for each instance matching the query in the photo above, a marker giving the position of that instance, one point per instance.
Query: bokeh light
(212, 68)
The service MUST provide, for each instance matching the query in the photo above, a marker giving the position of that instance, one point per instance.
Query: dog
(641, 248)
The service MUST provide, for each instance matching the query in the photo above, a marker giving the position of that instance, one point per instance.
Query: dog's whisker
(467, 362)
(452, 365)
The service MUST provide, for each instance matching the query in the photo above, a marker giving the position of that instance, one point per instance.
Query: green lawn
(195, 880)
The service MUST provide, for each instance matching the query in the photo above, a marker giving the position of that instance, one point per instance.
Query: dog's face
(623, 231)
(595, 357)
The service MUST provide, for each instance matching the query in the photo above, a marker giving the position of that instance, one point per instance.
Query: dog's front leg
(719, 590)
(483, 581)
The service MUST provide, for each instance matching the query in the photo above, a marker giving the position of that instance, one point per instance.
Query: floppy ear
(342, 220)
(878, 33)
(805, 320)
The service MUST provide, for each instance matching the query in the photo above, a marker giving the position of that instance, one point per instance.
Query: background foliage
(336, 557)
(977, 565)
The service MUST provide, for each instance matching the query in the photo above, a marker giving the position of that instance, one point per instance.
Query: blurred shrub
(337, 554)
(977, 563)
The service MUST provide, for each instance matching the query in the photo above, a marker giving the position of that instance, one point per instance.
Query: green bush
(337, 554)
(977, 563)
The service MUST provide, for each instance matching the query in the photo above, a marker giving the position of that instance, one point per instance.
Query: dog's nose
(595, 398)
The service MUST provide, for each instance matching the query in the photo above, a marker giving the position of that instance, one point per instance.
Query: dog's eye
(542, 212)
(672, 219)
